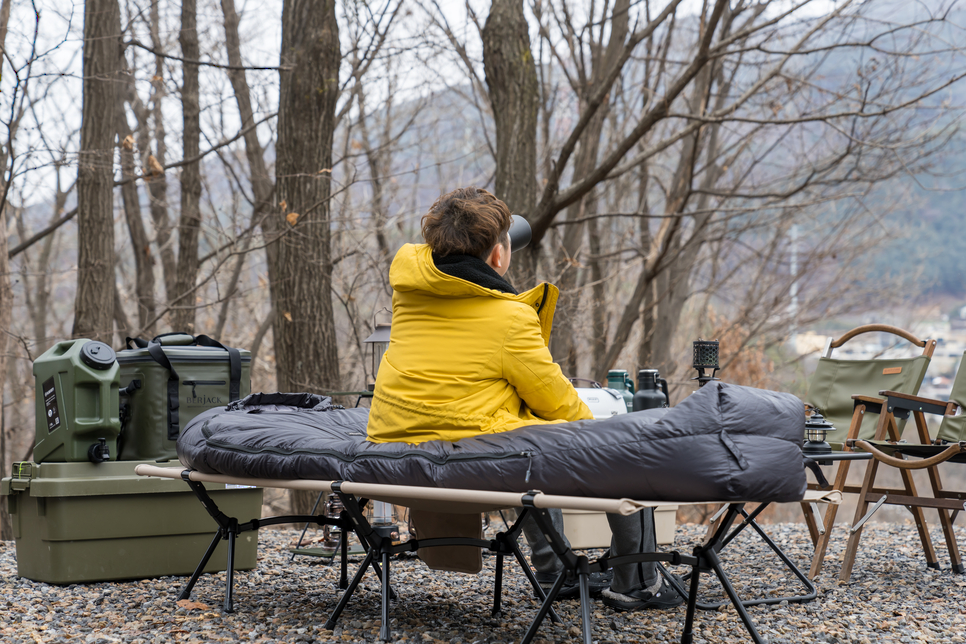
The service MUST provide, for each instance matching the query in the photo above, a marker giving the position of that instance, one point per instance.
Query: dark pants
(631, 535)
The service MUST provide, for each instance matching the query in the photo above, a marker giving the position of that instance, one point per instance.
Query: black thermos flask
(648, 395)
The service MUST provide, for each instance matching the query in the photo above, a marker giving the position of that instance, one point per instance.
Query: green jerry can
(169, 381)
(77, 418)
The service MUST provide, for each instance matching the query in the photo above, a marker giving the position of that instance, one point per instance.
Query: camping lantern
(816, 431)
(705, 357)
(380, 342)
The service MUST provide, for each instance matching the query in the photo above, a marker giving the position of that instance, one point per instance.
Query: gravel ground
(892, 598)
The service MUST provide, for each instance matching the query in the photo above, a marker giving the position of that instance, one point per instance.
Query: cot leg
(687, 636)
(546, 607)
(344, 600)
(230, 572)
(384, 631)
(586, 623)
(712, 558)
(498, 585)
(344, 572)
(533, 582)
(186, 593)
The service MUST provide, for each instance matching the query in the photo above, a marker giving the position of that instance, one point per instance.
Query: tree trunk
(157, 182)
(140, 244)
(183, 299)
(568, 260)
(94, 303)
(306, 352)
(37, 287)
(6, 301)
(511, 77)
(568, 256)
(262, 185)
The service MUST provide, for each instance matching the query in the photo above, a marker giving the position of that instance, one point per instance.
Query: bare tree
(511, 77)
(182, 299)
(94, 303)
(6, 299)
(305, 344)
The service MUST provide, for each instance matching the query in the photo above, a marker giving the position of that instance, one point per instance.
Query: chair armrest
(898, 400)
(900, 463)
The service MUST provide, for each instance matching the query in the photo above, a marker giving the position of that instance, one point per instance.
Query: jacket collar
(473, 269)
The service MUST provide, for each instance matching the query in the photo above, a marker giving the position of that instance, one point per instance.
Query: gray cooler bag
(168, 381)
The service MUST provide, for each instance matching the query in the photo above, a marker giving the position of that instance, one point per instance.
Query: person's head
(470, 221)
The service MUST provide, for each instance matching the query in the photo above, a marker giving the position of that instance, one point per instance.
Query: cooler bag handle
(174, 426)
(234, 361)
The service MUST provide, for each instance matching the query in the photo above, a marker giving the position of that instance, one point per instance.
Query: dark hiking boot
(640, 599)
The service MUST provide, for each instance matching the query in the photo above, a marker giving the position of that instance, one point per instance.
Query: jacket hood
(413, 270)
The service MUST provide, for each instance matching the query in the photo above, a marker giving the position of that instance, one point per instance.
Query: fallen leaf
(291, 218)
(287, 316)
(283, 205)
(128, 142)
(190, 605)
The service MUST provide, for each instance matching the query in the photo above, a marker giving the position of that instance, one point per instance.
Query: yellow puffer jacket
(465, 360)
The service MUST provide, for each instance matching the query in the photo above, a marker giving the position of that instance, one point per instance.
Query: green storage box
(154, 414)
(85, 522)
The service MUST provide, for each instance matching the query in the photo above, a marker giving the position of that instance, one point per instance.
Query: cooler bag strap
(234, 362)
(139, 343)
(174, 426)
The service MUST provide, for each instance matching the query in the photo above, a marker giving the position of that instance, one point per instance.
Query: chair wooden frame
(820, 534)
(947, 502)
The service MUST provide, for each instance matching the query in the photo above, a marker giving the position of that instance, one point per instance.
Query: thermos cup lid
(97, 355)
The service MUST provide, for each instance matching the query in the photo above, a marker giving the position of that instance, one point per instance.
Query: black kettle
(651, 390)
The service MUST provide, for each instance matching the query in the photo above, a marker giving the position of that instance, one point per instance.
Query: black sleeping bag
(722, 443)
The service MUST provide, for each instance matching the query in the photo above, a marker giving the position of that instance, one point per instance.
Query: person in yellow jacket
(468, 355)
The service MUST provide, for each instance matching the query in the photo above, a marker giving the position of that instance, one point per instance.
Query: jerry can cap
(98, 355)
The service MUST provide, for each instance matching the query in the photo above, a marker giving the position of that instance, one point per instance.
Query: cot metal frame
(379, 543)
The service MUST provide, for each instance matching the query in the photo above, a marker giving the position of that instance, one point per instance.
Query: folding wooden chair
(888, 449)
(831, 391)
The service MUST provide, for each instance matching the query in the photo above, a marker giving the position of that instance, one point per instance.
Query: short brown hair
(466, 221)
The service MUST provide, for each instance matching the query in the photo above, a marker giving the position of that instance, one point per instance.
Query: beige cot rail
(449, 500)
